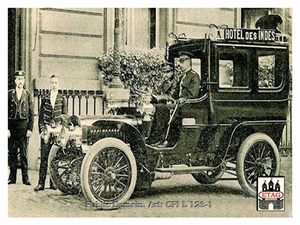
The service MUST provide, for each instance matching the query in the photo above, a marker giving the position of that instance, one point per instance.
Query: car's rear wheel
(258, 156)
(108, 174)
(65, 168)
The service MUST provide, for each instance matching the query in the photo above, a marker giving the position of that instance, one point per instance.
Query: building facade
(44, 41)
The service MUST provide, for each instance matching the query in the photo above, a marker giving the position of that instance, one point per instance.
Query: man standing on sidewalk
(53, 105)
(20, 125)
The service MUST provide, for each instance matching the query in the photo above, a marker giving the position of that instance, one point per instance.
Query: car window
(233, 70)
(225, 73)
(269, 69)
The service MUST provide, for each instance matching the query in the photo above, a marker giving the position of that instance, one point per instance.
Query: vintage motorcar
(235, 126)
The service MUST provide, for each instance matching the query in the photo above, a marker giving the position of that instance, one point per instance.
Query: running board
(184, 170)
(229, 178)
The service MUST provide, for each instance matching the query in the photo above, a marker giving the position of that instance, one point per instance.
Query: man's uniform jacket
(20, 109)
(189, 85)
(48, 113)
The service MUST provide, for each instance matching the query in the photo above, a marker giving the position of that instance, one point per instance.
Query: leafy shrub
(140, 70)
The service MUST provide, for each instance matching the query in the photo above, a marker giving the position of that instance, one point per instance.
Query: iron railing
(80, 102)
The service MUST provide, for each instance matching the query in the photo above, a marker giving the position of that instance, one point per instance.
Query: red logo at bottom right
(270, 194)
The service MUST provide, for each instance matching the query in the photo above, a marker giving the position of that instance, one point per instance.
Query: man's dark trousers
(160, 124)
(45, 150)
(18, 141)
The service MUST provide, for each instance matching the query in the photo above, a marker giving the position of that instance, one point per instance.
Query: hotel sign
(249, 34)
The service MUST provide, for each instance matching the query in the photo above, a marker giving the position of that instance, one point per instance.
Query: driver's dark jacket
(48, 113)
(189, 89)
(168, 88)
(189, 85)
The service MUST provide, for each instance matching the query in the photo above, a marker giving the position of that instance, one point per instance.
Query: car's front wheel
(108, 174)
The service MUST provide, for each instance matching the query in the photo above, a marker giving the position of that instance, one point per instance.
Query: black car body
(234, 126)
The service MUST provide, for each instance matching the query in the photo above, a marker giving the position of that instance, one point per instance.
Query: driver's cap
(185, 55)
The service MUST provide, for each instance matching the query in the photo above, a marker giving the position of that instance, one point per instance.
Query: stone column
(116, 82)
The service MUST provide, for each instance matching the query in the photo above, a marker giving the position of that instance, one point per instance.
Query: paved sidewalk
(226, 197)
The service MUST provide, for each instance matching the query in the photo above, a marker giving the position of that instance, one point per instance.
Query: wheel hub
(259, 165)
(110, 174)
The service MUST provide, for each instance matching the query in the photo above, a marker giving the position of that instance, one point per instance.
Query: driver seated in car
(166, 92)
(189, 84)
(168, 89)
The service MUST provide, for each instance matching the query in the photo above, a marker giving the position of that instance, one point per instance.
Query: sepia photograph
(150, 112)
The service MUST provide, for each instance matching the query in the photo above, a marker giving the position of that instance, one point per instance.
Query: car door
(231, 82)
